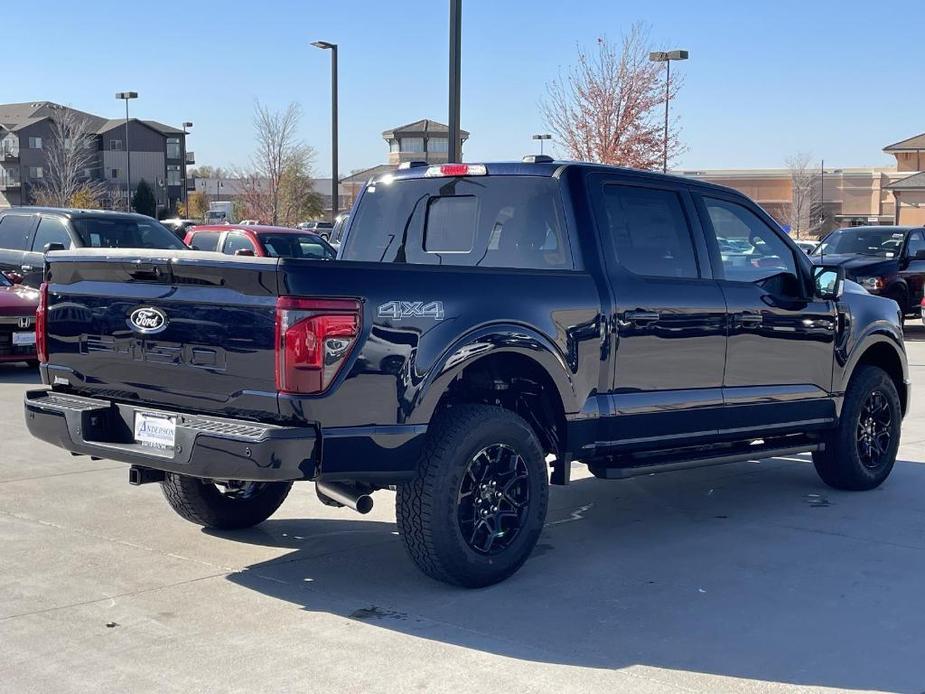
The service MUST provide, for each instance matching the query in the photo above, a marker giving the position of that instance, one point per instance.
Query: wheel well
(885, 357)
(516, 383)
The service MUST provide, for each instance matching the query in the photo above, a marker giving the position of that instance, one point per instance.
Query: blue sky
(765, 80)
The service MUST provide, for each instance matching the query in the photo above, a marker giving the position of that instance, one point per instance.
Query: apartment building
(157, 154)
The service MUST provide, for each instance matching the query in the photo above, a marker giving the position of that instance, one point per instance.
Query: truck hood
(858, 265)
(18, 301)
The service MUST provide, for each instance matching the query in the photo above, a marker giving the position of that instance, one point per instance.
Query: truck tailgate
(182, 329)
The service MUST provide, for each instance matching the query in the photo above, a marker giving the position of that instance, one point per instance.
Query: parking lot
(750, 577)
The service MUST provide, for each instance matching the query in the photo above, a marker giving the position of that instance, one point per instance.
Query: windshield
(883, 243)
(296, 246)
(125, 233)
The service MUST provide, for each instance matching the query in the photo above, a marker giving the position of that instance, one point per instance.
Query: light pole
(335, 184)
(666, 57)
(455, 140)
(126, 96)
(542, 138)
(186, 124)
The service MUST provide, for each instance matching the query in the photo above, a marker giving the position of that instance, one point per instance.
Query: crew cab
(886, 260)
(485, 326)
(260, 241)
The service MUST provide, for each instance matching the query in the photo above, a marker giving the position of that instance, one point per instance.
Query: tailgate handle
(152, 271)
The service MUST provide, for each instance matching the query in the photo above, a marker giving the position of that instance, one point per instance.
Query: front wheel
(226, 504)
(476, 508)
(860, 453)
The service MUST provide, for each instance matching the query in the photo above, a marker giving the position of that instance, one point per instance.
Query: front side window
(14, 231)
(483, 221)
(237, 242)
(750, 250)
(648, 231)
(51, 230)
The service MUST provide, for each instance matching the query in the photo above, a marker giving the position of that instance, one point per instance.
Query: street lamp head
(324, 45)
(663, 56)
(126, 95)
(542, 137)
(188, 124)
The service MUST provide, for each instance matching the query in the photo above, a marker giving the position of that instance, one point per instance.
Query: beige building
(841, 197)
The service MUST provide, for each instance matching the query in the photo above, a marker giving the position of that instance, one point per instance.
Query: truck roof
(74, 213)
(553, 167)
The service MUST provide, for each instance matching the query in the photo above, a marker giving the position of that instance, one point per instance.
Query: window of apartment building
(114, 173)
(394, 146)
(115, 145)
(35, 143)
(173, 175)
(412, 144)
(173, 147)
(438, 144)
(36, 172)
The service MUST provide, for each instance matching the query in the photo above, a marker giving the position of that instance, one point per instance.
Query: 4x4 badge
(396, 310)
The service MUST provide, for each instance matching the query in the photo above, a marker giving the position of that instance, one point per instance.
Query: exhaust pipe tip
(364, 504)
(343, 494)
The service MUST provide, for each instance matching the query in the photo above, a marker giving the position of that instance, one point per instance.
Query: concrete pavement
(750, 577)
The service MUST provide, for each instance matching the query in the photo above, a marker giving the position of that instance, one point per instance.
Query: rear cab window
(479, 221)
(205, 240)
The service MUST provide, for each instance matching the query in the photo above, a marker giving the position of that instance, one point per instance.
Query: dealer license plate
(155, 430)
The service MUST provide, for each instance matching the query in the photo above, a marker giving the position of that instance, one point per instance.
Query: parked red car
(260, 241)
(17, 322)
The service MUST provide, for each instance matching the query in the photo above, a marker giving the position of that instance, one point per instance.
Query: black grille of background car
(7, 348)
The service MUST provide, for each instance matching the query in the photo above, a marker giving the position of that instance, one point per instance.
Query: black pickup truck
(484, 326)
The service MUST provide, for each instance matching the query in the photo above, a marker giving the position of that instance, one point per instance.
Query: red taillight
(314, 337)
(41, 324)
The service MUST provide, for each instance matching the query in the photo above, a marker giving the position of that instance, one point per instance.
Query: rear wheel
(225, 504)
(474, 512)
(860, 453)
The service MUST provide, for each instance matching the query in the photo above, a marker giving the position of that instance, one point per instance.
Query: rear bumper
(223, 448)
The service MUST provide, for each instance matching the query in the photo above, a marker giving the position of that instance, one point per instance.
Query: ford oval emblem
(147, 320)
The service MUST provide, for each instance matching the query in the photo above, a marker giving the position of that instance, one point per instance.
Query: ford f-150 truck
(484, 326)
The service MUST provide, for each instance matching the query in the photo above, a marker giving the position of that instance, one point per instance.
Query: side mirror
(245, 252)
(53, 247)
(829, 281)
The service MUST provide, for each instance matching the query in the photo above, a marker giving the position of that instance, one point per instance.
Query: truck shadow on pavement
(754, 570)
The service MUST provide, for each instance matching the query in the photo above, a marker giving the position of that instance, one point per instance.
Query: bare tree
(70, 157)
(608, 107)
(278, 147)
(806, 211)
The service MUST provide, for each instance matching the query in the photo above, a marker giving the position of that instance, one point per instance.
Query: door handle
(27, 268)
(641, 317)
(749, 319)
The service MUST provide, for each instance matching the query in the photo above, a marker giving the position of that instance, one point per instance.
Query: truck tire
(229, 506)
(860, 452)
(477, 505)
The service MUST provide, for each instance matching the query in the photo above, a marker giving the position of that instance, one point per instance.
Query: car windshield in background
(484, 221)
(296, 246)
(4, 282)
(884, 243)
(125, 233)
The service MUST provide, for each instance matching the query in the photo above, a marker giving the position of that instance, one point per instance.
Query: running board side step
(620, 473)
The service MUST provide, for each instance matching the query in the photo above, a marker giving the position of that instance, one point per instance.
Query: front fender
(493, 340)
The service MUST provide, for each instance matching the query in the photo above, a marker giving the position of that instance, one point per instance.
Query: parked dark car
(886, 260)
(26, 233)
(482, 320)
(259, 241)
(323, 229)
(17, 322)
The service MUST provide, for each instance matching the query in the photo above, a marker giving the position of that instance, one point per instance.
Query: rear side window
(648, 231)
(483, 221)
(125, 233)
(205, 240)
(14, 230)
(51, 230)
